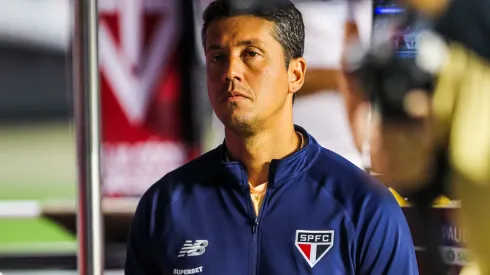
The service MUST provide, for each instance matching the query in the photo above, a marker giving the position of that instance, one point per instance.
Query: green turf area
(27, 234)
(31, 231)
(37, 163)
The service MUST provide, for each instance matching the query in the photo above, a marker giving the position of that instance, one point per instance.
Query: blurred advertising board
(454, 237)
(140, 45)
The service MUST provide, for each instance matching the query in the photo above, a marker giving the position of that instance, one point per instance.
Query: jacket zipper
(255, 233)
(255, 245)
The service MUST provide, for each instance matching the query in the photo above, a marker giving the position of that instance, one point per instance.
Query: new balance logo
(193, 249)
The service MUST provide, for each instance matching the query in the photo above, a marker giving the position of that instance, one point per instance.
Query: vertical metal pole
(87, 123)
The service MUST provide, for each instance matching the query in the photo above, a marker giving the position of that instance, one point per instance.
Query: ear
(296, 74)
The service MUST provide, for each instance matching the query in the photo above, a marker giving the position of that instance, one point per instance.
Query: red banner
(140, 89)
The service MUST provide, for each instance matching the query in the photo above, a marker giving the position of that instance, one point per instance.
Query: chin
(240, 124)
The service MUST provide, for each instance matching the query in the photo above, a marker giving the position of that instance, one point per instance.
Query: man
(270, 194)
(318, 105)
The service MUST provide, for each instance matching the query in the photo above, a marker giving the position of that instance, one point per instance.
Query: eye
(252, 54)
(216, 58)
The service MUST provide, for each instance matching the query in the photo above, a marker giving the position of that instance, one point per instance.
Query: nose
(233, 70)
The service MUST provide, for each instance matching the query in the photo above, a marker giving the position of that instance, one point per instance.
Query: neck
(256, 152)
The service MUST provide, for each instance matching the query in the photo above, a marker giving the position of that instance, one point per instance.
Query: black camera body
(386, 79)
(388, 70)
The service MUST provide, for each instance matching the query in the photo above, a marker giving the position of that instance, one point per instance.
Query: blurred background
(37, 142)
(151, 114)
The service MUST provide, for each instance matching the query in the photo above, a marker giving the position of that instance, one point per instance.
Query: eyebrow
(239, 43)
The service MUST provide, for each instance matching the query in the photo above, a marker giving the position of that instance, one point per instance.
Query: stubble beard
(242, 125)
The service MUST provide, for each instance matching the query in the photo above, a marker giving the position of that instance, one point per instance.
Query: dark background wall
(34, 84)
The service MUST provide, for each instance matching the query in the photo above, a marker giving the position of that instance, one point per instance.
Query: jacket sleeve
(139, 252)
(384, 240)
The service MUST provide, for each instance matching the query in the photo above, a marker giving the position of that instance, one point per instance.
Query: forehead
(240, 28)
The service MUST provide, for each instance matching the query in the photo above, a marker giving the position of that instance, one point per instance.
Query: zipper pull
(254, 227)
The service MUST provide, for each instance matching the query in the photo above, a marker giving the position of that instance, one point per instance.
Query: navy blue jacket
(320, 215)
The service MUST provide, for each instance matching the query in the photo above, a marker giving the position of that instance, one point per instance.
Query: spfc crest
(313, 245)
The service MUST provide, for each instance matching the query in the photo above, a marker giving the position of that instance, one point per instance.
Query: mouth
(234, 96)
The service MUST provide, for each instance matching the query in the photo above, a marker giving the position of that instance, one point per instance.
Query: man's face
(248, 83)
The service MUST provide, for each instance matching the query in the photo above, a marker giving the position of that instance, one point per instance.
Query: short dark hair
(289, 26)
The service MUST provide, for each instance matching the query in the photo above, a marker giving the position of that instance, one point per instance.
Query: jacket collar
(280, 170)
